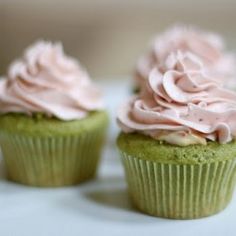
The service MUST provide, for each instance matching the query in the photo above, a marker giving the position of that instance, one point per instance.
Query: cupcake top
(47, 81)
(209, 47)
(181, 104)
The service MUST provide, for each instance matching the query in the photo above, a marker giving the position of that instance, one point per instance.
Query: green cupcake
(178, 142)
(52, 120)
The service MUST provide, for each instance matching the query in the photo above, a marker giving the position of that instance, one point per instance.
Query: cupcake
(52, 119)
(178, 141)
(209, 47)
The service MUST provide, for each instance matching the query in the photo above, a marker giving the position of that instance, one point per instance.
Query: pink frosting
(182, 97)
(46, 80)
(208, 47)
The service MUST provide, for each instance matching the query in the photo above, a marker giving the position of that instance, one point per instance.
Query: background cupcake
(209, 47)
(178, 141)
(52, 121)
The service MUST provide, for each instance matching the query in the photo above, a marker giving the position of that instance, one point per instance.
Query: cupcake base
(54, 158)
(180, 189)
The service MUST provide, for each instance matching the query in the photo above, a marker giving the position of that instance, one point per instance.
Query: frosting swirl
(46, 80)
(208, 47)
(181, 105)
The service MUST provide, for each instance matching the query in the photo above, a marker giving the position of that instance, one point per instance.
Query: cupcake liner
(52, 161)
(179, 191)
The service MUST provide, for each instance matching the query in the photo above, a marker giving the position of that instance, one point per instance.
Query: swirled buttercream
(45, 80)
(181, 104)
(209, 47)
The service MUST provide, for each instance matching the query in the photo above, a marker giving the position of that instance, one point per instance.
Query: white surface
(99, 207)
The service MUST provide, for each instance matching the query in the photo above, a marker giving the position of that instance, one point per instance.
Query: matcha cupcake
(178, 142)
(52, 119)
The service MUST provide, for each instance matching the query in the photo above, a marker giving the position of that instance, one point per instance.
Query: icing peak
(208, 47)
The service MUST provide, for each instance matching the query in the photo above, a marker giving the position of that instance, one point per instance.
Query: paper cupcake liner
(179, 191)
(52, 161)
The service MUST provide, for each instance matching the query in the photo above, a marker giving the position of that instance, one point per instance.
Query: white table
(99, 207)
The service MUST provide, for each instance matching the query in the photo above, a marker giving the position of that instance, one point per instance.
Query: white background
(99, 207)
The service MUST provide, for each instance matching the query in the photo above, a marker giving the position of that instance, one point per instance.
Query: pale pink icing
(183, 98)
(46, 80)
(208, 47)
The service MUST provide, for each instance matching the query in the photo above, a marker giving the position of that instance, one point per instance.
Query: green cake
(52, 118)
(178, 182)
(178, 133)
(42, 151)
